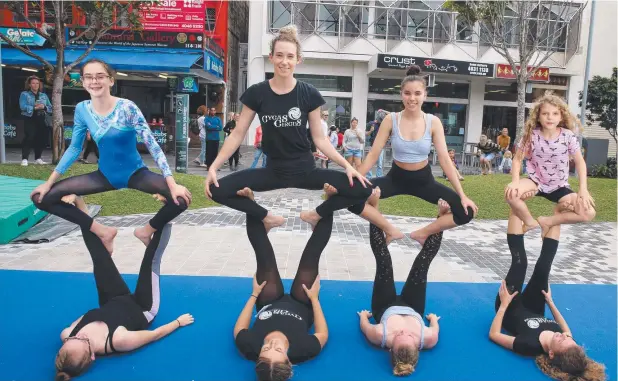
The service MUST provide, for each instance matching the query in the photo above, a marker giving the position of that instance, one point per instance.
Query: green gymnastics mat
(17, 212)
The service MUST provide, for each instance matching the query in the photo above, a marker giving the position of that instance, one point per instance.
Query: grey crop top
(410, 151)
(401, 310)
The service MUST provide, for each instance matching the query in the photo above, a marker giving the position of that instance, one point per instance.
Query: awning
(120, 60)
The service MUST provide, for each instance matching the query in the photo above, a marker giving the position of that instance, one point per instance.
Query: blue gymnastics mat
(36, 306)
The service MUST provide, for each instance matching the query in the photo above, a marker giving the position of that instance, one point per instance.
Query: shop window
(505, 93)
(280, 14)
(441, 90)
(453, 117)
(324, 82)
(339, 112)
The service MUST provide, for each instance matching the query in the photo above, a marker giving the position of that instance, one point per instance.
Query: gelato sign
(22, 36)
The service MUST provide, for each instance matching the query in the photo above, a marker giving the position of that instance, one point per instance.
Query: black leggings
(300, 173)
(36, 135)
(420, 184)
(212, 150)
(531, 298)
(95, 182)
(234, 158)
(109, 282)
(414, 290)
(91, 146)
(267, 264)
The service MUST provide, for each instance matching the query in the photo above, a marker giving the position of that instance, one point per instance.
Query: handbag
(49, 121)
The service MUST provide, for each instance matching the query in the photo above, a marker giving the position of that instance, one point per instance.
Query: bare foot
(527, 228)
(374, 199)
(329, 190)
(272, 221)
(107, 237)
(443, 208)
(246, 192)
(311, 217)
(542, 222)
(144, 234)
(415, 235)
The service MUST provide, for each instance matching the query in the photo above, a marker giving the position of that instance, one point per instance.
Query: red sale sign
(175, 16)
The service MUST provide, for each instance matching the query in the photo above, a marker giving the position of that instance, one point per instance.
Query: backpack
(194, 126)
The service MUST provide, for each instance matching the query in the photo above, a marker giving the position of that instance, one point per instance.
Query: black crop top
(119, 311)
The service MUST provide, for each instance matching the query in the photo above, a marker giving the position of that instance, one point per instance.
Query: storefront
(152, 65)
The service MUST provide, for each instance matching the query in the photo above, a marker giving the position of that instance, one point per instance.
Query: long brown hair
(268, 370)
(108, 69)
(571, 365)
(288, 33)
(68, 367)
(30, 79)
(569, 121)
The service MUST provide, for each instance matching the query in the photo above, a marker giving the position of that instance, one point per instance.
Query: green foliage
(473, 11)
(601, 102)
(607, 170)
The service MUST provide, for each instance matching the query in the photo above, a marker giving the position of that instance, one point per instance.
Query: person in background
(507, 162)
(371, 134)
(258, 148)
(229, 127)
(213, 126)
(353, 141)
(504, 140)
(333, 138)
(451, 155)
(89, 146)
(486, 151)
(319, 154)
(201, 160)
(34, 105)
(340, 139)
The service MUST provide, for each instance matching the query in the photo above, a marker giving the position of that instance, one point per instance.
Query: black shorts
(556, 195)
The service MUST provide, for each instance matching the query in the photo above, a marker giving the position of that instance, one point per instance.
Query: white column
(360, 88)
(371, 29)
(576, 83)
(255, 66)
(475, 111)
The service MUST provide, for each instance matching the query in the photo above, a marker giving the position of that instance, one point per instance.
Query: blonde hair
(508, 154)
(568, 120)
(571, 365)
(68, 367)
(288, 33)
(404, 360)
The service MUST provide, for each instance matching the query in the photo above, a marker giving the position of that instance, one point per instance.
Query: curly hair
(404, 360)
(571, 365)
(268, 370)
(568, 120)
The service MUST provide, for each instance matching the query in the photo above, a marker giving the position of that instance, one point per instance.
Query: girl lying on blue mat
(522, 314)
(400, 327)
(279, 336)
(121, 321)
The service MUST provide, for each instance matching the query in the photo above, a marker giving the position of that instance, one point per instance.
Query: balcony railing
(387, 23)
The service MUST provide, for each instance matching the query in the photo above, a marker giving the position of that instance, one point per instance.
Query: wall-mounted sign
(505, 71)
(187, 85)
(175, 16)
(142, 39)
(213, 64)
(22, 36)
(435, 65)
(558, 80)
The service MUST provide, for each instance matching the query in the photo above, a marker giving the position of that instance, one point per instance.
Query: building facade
(356, 54)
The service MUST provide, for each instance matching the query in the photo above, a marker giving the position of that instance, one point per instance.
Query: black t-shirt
(288, 316)
(527, 327)
(283, 117)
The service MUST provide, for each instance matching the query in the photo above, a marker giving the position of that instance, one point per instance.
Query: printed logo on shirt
(292, 119)
(268, 314)
(534, 323)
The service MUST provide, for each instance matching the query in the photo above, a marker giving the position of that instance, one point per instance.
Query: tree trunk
(521, 104)
(58, 129)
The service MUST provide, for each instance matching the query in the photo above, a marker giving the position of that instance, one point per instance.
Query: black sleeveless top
(119, 311)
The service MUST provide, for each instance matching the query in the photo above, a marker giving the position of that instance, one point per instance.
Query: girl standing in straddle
(547, 144)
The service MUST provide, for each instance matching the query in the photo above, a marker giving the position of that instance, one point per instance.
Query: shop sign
(175, 16)
(10, 131)
(187, 85)
(435, 65)
(558, 80)
(213, 64)
(159, 136)
(22, 36)
(182, 132)
(141, 39)
(506, 71)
